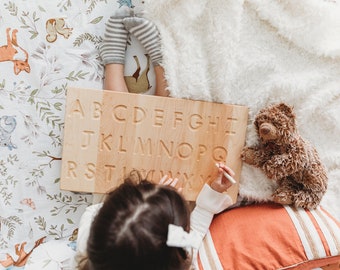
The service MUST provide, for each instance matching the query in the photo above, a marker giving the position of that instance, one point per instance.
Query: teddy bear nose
(265, 130)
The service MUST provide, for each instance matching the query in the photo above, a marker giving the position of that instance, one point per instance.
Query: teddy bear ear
(287, 110)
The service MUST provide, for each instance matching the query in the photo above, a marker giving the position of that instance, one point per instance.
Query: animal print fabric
(46, 47)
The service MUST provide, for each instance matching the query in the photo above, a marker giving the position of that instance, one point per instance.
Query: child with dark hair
(149, 226)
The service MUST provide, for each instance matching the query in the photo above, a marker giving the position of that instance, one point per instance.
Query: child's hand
(167, 181)
(221, 183)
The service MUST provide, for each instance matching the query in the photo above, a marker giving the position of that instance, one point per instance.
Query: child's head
(130, 230)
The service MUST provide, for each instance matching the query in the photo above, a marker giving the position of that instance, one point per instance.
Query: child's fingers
(163, 179)
(226, 169)
(227, 172)
(168, 182)
(174, 182)
(226, 183)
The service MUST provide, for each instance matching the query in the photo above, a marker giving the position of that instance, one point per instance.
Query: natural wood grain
(107, 134)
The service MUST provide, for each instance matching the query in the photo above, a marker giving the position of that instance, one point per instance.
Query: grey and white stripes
(148, 35)
(113, 47)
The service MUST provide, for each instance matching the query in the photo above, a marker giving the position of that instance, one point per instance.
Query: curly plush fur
(284, 156)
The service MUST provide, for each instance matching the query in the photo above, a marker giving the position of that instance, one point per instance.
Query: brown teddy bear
(284, 156)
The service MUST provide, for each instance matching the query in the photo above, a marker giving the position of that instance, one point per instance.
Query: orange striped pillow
(271, 236)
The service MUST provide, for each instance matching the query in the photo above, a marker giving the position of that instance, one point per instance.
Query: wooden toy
(107, 134)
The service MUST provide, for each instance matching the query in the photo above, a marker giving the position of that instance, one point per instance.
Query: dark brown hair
(130, 230)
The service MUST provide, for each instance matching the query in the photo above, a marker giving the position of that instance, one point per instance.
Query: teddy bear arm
(252, 156)
(313, 178)
(280, 166)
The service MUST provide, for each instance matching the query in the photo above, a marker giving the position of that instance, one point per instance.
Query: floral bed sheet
(45, 47)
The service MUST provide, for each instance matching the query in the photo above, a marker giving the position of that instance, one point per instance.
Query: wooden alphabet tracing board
(108, 134)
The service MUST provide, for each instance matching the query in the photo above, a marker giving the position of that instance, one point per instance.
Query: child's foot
(112, 50)
(148, 35)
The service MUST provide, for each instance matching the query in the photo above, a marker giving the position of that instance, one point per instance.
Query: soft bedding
(243, 52)
(45, 47)
(257, 53)
(270, 236)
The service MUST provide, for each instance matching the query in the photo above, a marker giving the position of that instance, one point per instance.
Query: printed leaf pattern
(61, 39)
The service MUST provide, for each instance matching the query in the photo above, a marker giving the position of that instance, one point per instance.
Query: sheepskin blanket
(255, 53)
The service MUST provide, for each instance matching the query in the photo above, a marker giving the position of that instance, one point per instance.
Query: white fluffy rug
(255, 53)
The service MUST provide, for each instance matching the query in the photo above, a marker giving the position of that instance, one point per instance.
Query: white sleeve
(85, 226)
(209, 202)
